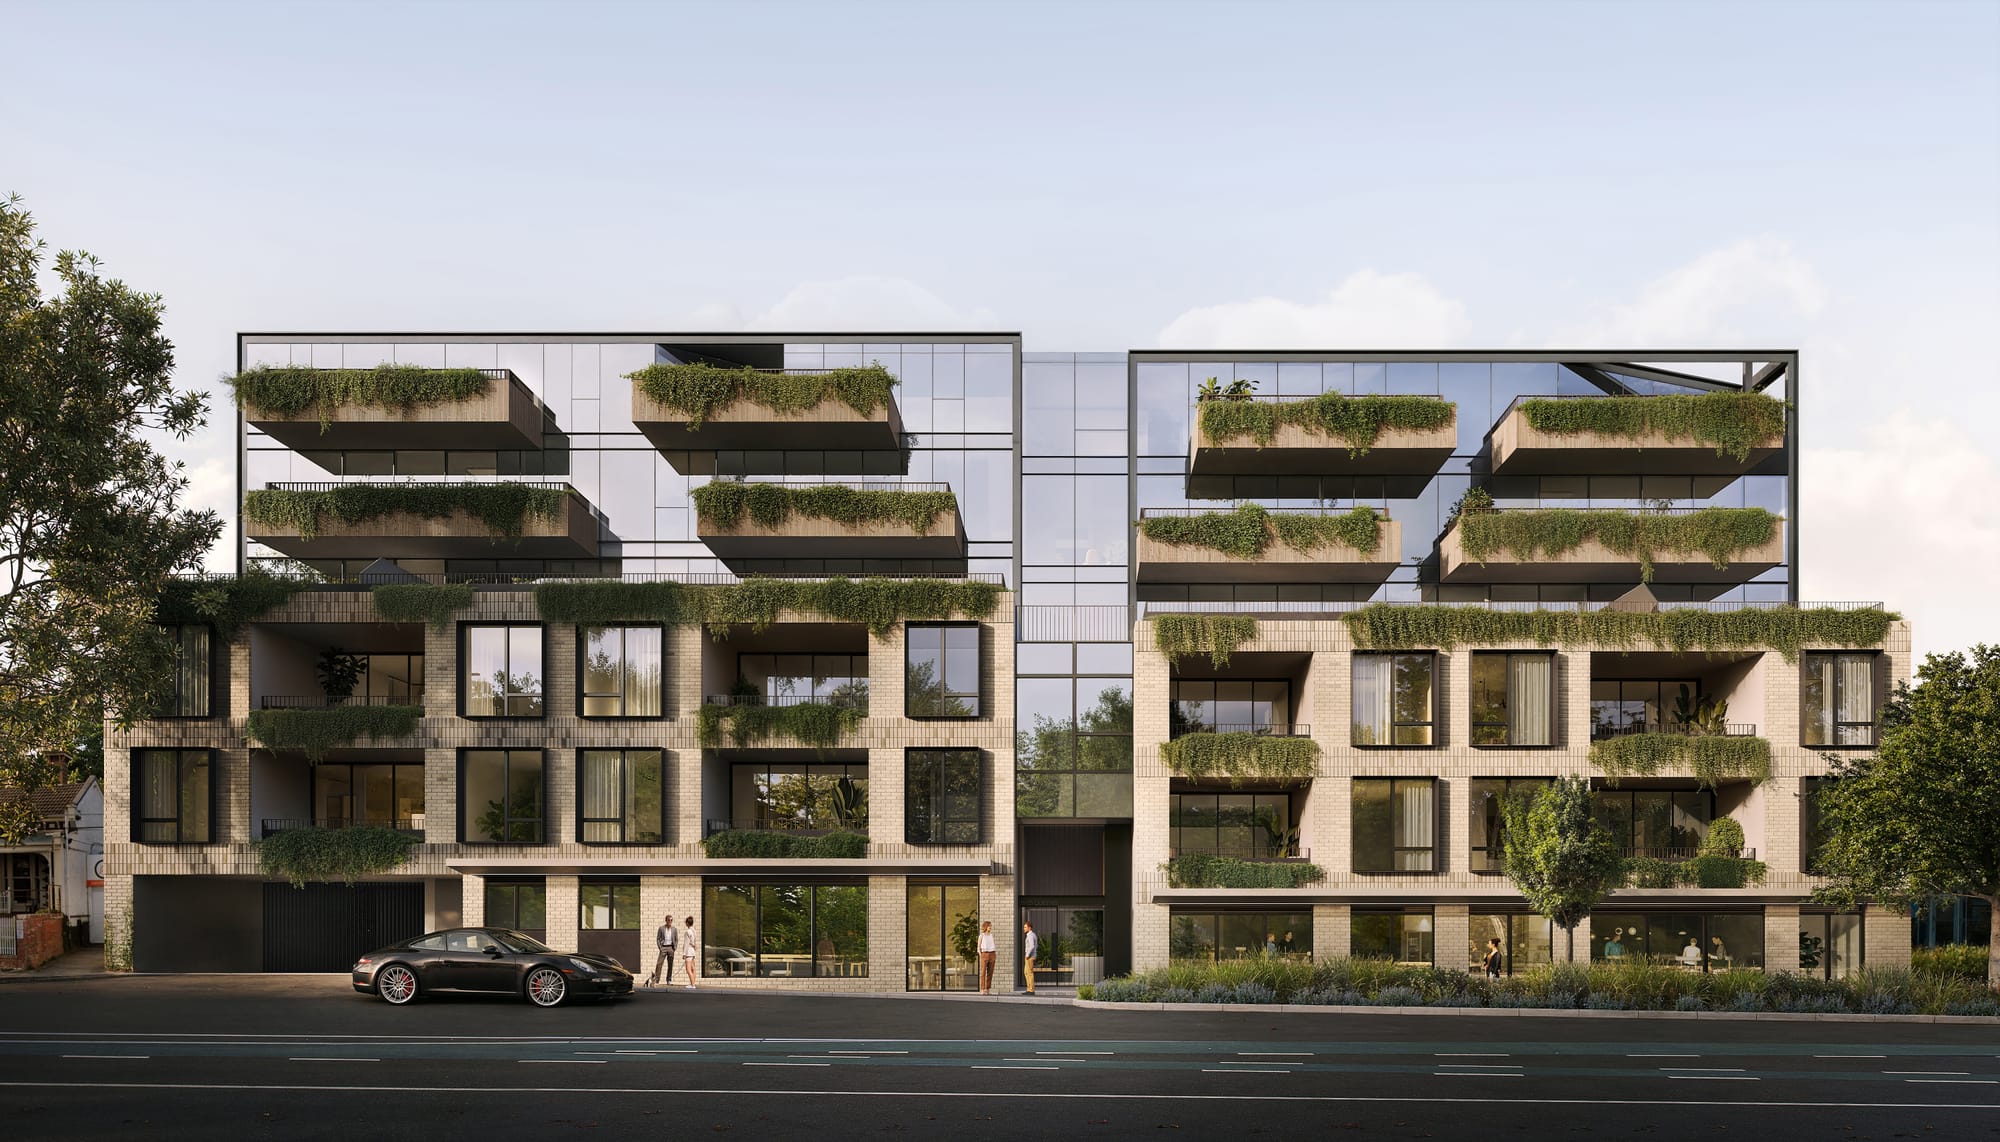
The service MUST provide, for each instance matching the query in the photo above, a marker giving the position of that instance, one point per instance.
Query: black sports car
(491, 960)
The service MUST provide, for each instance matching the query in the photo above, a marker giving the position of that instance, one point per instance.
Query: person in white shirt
(1030, 944)
(1691, 955)
(665, 939)
(690, 951)
(988, 950)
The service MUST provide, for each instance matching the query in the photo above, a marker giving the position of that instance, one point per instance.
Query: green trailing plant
(227, 604)
(1732, 423)
(288, 390)
(725, 504)
(1474, 500)
(1713, 760)
(1399, 626)
(1705, 871)
(882, 604)
(315, 732)
(1203, 870)
(1241, 755)
(774, 844)
(698, 390)
(1356, 420)
(505, 508)
(1217, 636)
(433, 603)
(817, 724)
(346, 855)
(1528, 534)
(339, 672)
(1249, 529)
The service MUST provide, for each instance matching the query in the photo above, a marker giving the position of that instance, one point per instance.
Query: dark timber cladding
(1062, 860)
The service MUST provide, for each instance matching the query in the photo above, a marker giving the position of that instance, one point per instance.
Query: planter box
(507, 418)
(1521, 450)
(745, 425)
(1592, 562)
(1176, 563)
(810, 537)
(1295, 450)
(401, 535)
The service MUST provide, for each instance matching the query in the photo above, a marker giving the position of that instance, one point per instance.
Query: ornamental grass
(724, 504)
(698, 390)
(504, 508)
(1406, 626)
(1733, 423)
(1249, 529)
(1358, 421)
(1530, 534)
(288, 390)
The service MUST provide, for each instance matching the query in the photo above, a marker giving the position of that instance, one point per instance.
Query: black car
(490, 960)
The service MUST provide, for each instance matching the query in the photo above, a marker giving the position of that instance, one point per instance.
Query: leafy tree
(1561, 858)
(91, 525)
(1921, 817)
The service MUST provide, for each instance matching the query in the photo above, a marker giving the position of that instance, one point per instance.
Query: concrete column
(562, 913)
(998, 903)
(473, 908)
(1781, 938)
(1451, 933)
(888, 931)
(1333, 932)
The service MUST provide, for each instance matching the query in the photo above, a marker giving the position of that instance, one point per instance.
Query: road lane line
(1967, 1082)
(1045, 1060)
(107, 1056)
(1926, 1072)
(1663, 1056)
(1850, 1056)
(1279, 1054)
(1486, 1066)
(330, 1059)
(1474, 1075)
(1076, 1052)
(1724, 1069)
(1471, 1055)
(1238, 1071)
(991, 1067)
(787, 1064)
(1720, 1078)
(572, 1061)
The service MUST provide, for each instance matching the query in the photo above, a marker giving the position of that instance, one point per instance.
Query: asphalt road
(297, 1057)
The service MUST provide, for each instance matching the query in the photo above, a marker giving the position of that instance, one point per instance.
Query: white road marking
(1474, 1075)
(1044, 1060)
(867, 1052)
(1663, 1056)
(107, 1056)
(1472, 1055)
(1485, 1066)
(1240, 1071)
(329, 1059)
(1720, 1078)
(1279, 1054)
(1724, 1069)
(787, 1064)
(1967, 1082)
(559, 1060)
(988, 1067)
(1076, 1052)
(1850, 1056)
(1926, 1072)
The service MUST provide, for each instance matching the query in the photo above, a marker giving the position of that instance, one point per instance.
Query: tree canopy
(91, 523)
(1558, 854)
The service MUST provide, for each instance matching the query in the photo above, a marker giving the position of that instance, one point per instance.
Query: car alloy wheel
(546, 987)
(396, 984)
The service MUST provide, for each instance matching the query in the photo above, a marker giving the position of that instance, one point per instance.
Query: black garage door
(325, 927)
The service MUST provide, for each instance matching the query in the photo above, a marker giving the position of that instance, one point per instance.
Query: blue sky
(1099, 176)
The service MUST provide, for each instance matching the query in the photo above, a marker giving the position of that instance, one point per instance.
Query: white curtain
(1416, 825)
(192, 673)
(642, 672)
(1528, 708)
(1371, 699)
(1856, 688)
(602, 782)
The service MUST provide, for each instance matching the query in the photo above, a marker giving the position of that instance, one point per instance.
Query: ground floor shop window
(1526, 940)
(943, 945)
(1830, 944)
(1405, 935)
(1070, 942)
(1212, 936)
(518, 904)
(785, 930)
(1694, 941)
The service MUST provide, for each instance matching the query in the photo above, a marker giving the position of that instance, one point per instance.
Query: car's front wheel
(396, 984)
(546, 987)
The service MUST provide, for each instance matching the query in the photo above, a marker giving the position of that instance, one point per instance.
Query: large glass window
(1513, 698)
(1252, 826)
(384, 796)
(501, 675)
(1073, 750)
(943, 796)
(1405, 935)
(1211, 936)
(942, 676)
(1487, 802)
(1637, 706)
(501, 796)
(1395, 824)
(1395, 699)
(522, 905)
(1830, 944)
(620, 668)
(943, 944)
(1526, 940)
(1812, 823)
(193, 673)
(608, 906)
(794, 679)
(785, 930)
(175, 795)
(1665, 824)
(1692, 941)
(395, 677)
(1837, 700)
(798, 796)
(1231, 707)
(621, 797)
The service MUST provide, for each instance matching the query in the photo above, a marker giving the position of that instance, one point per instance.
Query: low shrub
(1398, 997)
(1201, 870)
(763, 843)
(1251, 991)
(1213, 993)
(1963, 961)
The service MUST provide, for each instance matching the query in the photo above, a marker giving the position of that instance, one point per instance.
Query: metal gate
(326, 927)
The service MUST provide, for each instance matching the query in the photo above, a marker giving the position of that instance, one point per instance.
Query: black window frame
(814, 930)
(582, 645)
(766, 698)
(1874, 723)
(1811, 825)
(514, 887)
(1437, 695)
(978, 693)
(612, 887)
(1268, 917)
(1176, 810)
(1178, 723)
(543, 819)
(1507, 673)
(207, 757)
(1475, 846)
(850, 770)
(968, 756)
(173, 699)
(1437, 828)
(1628, 844)
(624, 759)
(1426, 910)
(464, 641)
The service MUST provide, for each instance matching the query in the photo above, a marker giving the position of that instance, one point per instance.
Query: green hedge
(1529, 534)
(724, 504)
(882, 604)
(698, 390)
(314, 732)
(227, 604)
(1200, 870)
(1246, 531)
(504, 508)
(300, 855)
(1712, 759)
(1706, 871)
(1218, 636)
(769, 843)
(433, 603)
(1962, 961)
(1732, 423)
(817, 724)
(1241, 755)
(1357, 420)
(286, 391)
(1787, 630)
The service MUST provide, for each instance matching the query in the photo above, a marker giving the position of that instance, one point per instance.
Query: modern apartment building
(1170, 654)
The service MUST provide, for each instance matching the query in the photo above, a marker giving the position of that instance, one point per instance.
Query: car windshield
(516, 942)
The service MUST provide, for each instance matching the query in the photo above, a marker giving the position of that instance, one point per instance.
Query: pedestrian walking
(665, 940)
(690, 951)
(988, 951)
(1030, 945)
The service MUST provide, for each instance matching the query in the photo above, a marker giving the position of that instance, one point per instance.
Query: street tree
(1920, 818)
(91, 522)
(1558, 854)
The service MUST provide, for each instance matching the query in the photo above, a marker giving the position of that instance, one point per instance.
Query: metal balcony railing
(1261, 729)
(860, 691)
(1073, 624)
(1678, 729)
(275, 825)
(1314, 607)
(529, 578)
(714, 825)
(1675, 853)
(1300, 857)
(1315, 510)
(434, 482)
(861, 483)
(322, 702)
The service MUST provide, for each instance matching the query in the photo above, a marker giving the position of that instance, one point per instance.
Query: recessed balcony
(1407, 436)
(1252, 545)
(396, 407)
(860, 519)
(1589, 545)
(707, 408)
(519, 519)
(1706, 434)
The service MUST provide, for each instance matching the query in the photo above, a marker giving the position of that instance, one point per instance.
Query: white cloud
(860, 303)
(1368, 310)
(212, 487)
(1755, 294)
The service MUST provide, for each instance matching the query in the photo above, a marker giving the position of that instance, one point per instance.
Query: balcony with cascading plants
(1712, 434)
(424, 520)
(1701, 545)
(1237, 432)
(706, 407)
(1254, 544)
(829, 519)
(391, 407)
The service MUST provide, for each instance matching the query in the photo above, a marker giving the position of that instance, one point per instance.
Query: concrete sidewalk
(82, 963)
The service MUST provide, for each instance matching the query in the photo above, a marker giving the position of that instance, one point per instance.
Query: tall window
(194, 673)
(396, 676)
(175, 798)
(1406, 935)
(608, 906)
(785, 930)
(942, 796)
(942, 946)
(501, 672)
(522, 905)
(1489, 822)
(1513, 698)
(1395, 824)
(620, 672)
(1664, 823)
(1526, 940)
(1254, 826)
(1073, 754)
(942, 671)
(501, 796)
(798, 796)
(1637, 705)
(1812, 823)
(1211, 936)
(383, 795)
(1837, 700)
(794, 679)
(621, 797)
(1395, 698)
(1231, 707)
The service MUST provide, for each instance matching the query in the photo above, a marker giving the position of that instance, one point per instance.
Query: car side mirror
(490, 950)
